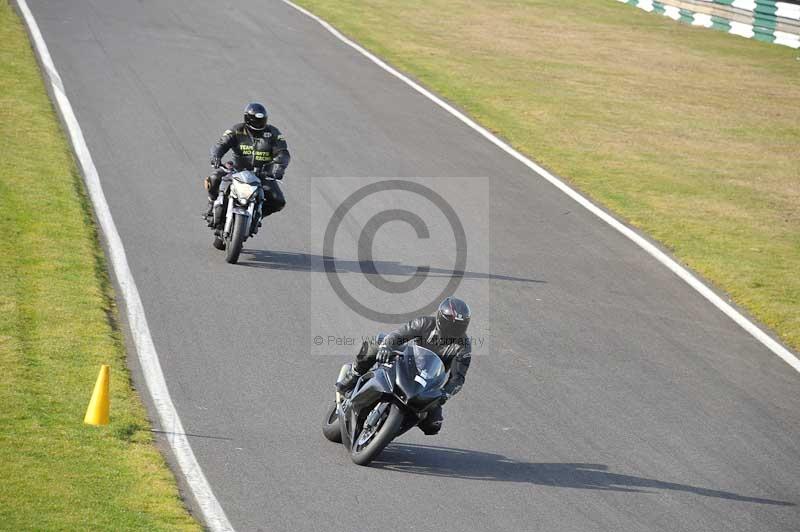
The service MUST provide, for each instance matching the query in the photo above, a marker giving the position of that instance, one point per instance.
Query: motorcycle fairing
(370, 388)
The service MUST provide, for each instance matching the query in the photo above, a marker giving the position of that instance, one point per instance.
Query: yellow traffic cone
(97, 413)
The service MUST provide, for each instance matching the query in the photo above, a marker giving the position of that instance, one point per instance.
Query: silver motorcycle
(241, 205)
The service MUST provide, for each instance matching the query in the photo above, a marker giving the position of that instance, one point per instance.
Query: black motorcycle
(386, 401)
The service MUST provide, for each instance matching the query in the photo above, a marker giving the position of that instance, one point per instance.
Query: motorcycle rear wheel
(382, 437)
(330, 425)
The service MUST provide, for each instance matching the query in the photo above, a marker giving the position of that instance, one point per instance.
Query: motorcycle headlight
(243, 192)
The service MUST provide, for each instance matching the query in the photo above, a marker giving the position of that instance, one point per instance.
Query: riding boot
(209, 215)
(218, 214)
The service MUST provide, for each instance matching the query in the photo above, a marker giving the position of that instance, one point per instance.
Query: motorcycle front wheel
(368, 446)
(330, 425)
(234, 245)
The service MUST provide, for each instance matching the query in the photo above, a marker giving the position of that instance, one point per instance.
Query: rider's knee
(273, 205)
(432, 427)
(432, 424)
(211, 184)
(274, 200)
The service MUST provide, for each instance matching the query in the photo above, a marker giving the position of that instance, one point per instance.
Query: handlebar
(228, 165)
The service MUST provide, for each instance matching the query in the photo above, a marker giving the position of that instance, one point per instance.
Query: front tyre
(384, 432)
(234, 244)
(330, 425)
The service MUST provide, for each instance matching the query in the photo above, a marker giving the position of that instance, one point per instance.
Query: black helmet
(452, 319)
(255, 117)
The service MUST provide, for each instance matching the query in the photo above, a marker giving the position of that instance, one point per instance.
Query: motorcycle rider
(445, 334)
(257, 146)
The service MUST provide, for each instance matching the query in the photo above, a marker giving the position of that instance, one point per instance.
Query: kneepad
(212, 183)
(432, 424)
(273, 201)
(429, 428)
(277, 204)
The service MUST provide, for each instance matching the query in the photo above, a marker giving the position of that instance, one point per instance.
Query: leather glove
(277, 171)
(384, 354)
(215, 161)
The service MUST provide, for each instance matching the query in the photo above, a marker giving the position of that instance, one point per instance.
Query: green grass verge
(690, 134)
(57, 325)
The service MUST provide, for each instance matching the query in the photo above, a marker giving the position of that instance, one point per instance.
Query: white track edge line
(659, 255)
(210, 507)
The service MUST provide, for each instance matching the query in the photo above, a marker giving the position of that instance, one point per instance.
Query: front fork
(255, 218)
(235, 210)
(228, 219)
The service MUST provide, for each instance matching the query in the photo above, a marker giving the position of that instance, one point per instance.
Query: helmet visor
(257, 121)
(452, 329)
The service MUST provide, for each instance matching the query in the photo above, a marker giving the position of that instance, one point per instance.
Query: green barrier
(764, 20)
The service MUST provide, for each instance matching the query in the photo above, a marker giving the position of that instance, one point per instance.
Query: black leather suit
(263, 152)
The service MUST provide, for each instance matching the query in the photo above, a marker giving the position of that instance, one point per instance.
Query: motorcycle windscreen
(430, 369)
(420, 376)
(246, 176)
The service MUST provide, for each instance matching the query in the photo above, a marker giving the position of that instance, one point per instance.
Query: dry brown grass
(690, 134)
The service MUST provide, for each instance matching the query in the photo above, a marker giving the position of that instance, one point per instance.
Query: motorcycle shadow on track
(476, 465)
(307, 262)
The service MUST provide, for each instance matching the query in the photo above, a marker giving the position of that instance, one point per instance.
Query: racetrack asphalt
(609, 395)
